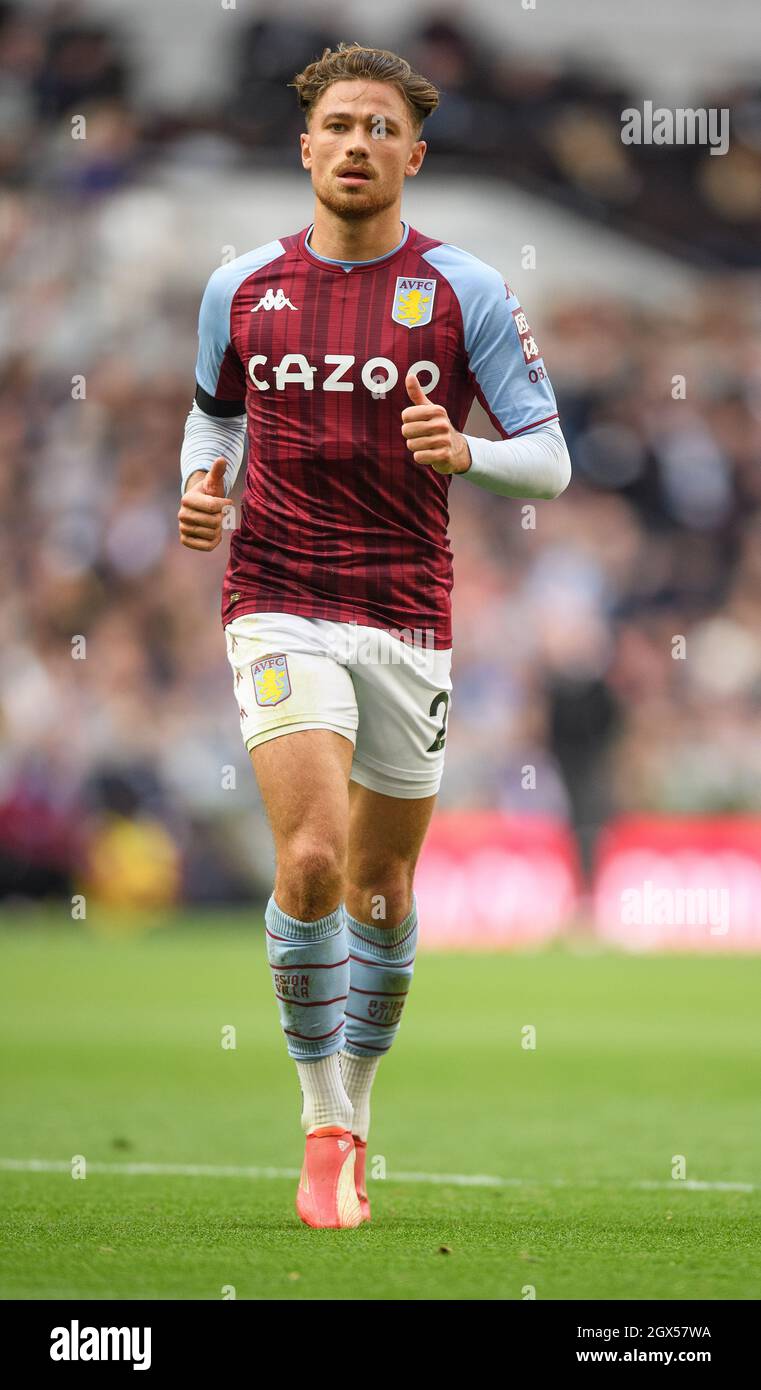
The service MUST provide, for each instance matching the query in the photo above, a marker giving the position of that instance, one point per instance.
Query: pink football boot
(360, 1146)
(326, 1197)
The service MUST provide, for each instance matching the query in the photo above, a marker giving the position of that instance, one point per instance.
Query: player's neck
(342, 240)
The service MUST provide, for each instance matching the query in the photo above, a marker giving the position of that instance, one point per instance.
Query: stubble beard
(354, 207)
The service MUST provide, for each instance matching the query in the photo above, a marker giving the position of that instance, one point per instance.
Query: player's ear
(306, 149)
(417, 155)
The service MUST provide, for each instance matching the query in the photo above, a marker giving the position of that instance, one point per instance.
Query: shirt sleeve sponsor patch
(529, 345)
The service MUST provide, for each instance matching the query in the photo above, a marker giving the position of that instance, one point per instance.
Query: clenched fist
(431, 436)
(200, 514)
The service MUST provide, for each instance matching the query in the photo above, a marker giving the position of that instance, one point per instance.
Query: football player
(348, 355)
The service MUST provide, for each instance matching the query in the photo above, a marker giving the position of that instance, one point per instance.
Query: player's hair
(376, 65)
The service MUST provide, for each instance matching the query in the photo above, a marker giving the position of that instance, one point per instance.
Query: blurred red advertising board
(490, 880)
(680, 883)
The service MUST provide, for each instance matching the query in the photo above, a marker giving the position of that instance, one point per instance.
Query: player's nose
(359, 145)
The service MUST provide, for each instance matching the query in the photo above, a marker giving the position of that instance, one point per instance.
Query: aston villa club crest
(272, 682)
(413, 301)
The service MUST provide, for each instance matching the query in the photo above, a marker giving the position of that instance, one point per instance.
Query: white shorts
(389, 697)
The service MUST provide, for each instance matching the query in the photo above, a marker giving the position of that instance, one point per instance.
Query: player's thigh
(299, 718)
(304, 781)
(403, 699)
(386, 835)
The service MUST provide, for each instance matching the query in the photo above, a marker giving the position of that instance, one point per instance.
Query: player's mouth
(354, 176)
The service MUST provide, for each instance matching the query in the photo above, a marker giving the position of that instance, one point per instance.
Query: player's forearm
(207, 438)
(536, 464)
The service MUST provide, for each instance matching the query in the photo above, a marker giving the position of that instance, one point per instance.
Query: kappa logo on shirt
(274, 299)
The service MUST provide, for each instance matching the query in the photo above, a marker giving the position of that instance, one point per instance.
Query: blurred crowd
(555, 127)
(607, 645)
(617, 647)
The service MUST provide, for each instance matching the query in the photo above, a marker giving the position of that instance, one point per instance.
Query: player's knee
(313, 872)
(383, 890)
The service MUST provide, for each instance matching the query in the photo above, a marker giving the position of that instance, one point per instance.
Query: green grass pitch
(112, 1050)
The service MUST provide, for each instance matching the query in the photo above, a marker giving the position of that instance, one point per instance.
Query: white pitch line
(210, 1170)
(694, 1185)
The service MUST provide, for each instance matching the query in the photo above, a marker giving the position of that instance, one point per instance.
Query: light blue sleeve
(510, 377)
(214, 329)
(214, 322)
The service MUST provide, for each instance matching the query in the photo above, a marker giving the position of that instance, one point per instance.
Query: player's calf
(382, 960)
(309, 961)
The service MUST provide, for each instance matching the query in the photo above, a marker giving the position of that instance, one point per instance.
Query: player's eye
(336, 125)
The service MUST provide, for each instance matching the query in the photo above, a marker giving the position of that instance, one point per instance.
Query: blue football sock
(310, 972)
(382, 961)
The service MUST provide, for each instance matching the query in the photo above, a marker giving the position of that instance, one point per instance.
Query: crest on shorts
(413, 301)
(272, 682)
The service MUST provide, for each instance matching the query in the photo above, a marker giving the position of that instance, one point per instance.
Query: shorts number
(441, 699)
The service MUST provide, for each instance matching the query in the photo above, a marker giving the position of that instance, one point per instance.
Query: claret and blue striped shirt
(337, 520)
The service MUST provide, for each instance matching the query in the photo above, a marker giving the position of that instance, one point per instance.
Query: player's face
(360, 147)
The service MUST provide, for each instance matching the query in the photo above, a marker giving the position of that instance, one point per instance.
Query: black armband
(221, 409)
